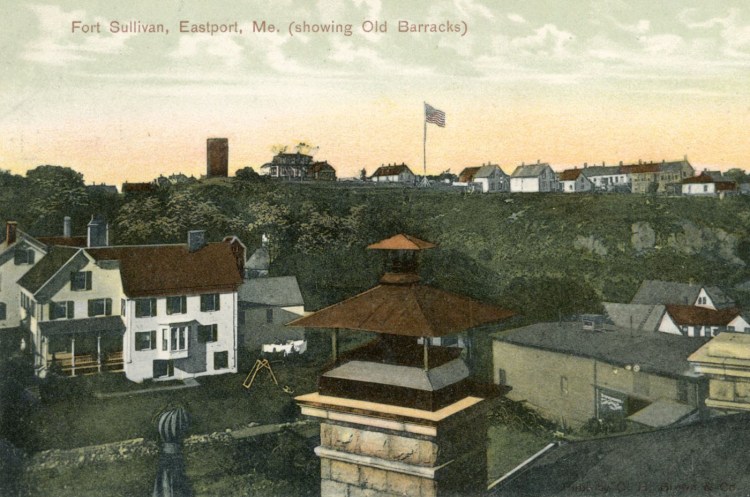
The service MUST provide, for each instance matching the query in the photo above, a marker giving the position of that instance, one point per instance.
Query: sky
(567, 83)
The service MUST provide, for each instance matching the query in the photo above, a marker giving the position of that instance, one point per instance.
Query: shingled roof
(157, 270)
(391, 170)
(690, 315)
(407, 310)
(570, 174)
(670, 292)
(530, 170)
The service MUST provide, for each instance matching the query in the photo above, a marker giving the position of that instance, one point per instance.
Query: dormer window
(23, 256)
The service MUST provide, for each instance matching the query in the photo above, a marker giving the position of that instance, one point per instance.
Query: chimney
(602, 163)
(66, 227)
(639, 161)
(10, 232)
(585, 165)
(196, 240)
(98, 232)
(538, 161)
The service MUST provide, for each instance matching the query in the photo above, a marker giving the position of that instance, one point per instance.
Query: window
(174, 338)
(221, 360)
(145, 308)
(269, 315)
(502, 378)
(177, 305)
(208, 333)
(564, 385)
(100, 307)
(23, 256)
(80, 280)
(3, 311)
(210, 302)
(145, 340)
(61, 310)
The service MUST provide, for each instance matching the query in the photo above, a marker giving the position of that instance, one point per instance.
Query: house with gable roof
(671, 292)
(485, 178)
(607, 178)
(537, 177)
(152, 311)
(19, 252)
(394, 173)
(573, 181)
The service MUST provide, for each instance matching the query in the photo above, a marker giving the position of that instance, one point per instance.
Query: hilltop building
(298, 166)
(537, 177)
(394, 173)
(217, 157)
(485, 178)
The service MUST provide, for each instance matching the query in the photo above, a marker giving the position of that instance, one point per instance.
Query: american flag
(433, 115)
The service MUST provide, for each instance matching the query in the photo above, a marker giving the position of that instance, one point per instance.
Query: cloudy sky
(564, 82)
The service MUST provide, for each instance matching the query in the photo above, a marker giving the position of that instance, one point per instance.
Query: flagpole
(424, 141)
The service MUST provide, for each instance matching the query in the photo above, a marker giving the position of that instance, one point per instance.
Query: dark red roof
(640, 168)
(402, 242)
(391, 170)
(64, 241)
(570, 175)
(701, 178)
(690, 315)
(467, 175)
(157, 270)
(407, 310)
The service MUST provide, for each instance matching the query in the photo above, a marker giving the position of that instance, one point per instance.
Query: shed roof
(407, 310)
(642, 317)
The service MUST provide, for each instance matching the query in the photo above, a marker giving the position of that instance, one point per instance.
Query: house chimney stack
(196, 240)
(98, 232)
(10, 232)
(66, 227)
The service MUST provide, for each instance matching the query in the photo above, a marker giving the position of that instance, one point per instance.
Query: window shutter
(71, 309)
(153, 339)
(91, 308)
(88, 281)
(217, 302)
(204, 303)
(108, 307)
(183, 303)
(73, 281)
(32, 254)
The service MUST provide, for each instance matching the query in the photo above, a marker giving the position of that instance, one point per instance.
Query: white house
(694, 321)
(607, 178)
(19, 252)
(152, 311)
(533, 178)
(485, 178)
(396, 173)
(707, 184)
(573, 181)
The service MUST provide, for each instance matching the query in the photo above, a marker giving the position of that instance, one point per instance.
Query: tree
(247, 174)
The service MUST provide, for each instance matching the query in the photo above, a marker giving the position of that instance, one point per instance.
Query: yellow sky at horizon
(565, 86)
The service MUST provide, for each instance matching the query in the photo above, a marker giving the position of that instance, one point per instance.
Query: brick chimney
(67, 227)
(11, 228)
(196, 240)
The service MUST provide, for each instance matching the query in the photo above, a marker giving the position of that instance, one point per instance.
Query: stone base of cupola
(369, 449)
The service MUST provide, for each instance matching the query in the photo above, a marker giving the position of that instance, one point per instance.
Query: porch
(83, 346)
